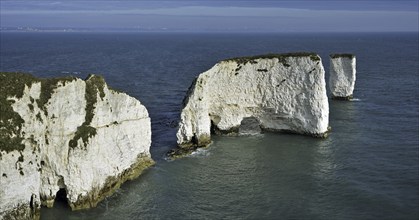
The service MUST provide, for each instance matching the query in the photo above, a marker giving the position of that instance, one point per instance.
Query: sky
(215, 15)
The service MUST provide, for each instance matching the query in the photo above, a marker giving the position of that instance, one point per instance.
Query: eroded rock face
(342, 76)
(283, 92)
(68, 134)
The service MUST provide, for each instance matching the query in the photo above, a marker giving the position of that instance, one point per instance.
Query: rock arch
(284, 92)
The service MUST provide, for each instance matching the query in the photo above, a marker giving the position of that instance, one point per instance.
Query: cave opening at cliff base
(61, 200)
(248, 126)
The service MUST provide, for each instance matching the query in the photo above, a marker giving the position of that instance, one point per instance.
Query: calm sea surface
(366, 169)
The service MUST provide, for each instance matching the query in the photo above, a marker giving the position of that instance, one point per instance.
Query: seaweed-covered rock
(66, 134)
(342, 76)
(279, 92)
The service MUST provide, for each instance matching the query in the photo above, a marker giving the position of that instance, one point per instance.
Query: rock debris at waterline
(342, 76)
(69, 134)
(278, 92)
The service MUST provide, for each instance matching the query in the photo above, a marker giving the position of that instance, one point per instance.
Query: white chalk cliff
(279, 92)
(342, 75)
(69, 134)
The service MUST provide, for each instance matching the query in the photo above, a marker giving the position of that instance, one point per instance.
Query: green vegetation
(115, 90)
(342, 55)
(46, 139)
(47, 87)
(280, 57)
(13, 85)
(39, 117)
(30, 106)
(84, 132)
(94, 84)
(112, 183)
(22, 211)
(346, 98)
(181, 151)
(20, 158)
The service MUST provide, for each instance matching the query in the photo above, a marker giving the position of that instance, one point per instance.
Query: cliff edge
(69, 135)
(274, 92)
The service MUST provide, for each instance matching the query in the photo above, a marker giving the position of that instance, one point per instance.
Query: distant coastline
(164, 30)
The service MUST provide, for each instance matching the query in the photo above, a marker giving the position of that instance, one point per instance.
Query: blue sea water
(368, 168)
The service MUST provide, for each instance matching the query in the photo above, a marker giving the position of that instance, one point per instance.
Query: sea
(368, 167)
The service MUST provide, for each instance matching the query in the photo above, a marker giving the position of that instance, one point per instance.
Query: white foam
(200, 152)
(252, 134)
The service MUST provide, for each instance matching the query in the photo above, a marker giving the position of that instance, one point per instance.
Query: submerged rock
(342, 76)
(66, 134)
(276, 92)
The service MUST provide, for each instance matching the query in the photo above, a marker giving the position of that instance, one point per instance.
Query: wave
(200, 152)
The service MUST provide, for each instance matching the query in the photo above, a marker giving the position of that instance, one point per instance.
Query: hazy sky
(215, 15)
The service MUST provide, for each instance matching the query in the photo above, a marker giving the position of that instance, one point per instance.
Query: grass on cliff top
(13, 84)
(280, 57)
(342, 55)
(47, 87)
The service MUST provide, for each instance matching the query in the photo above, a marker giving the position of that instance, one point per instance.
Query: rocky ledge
(67, 135)
(274, 92)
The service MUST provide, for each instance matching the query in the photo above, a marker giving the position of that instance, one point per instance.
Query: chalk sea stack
(342, 76)
(67, 135)
(276, 92)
